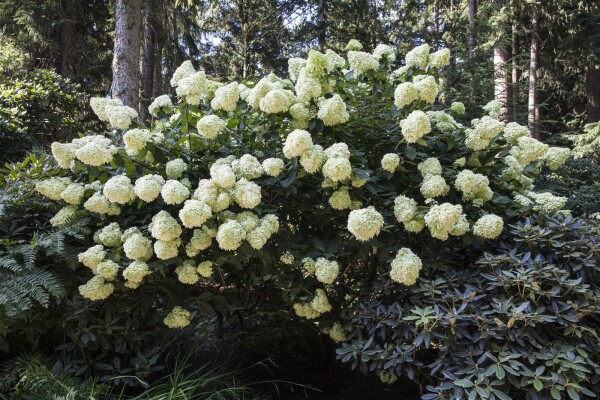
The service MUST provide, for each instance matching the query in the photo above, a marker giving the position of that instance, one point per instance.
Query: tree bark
(321, 25)
(68, 14)
(472, 16)
(514, 89)
(148, 59)
(593, 89)
(532, 109)
(501, 58)
(126, 55)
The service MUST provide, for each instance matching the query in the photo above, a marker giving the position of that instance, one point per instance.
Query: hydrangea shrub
(316, 185)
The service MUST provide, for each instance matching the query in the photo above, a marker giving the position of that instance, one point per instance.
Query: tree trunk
(157, 87)
(68, 14)
(514, 89)
(501, 58)
(321, 25)
(126, 56)
(593, 89)
(148, 60)
(532, 109)
(472, 16)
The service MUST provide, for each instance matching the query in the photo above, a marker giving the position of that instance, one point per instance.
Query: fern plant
(27, 276)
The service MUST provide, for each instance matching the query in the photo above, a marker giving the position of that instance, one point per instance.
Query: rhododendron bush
(317, 185)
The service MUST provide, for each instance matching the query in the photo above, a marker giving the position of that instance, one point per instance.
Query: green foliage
(522, 322)
(579, 181)
(37, 108)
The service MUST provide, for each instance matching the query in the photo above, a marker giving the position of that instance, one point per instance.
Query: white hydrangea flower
(119, 189)
(287, 258)
(384, 51)
(273, 166)
(556, 156)
(206, 192)
(297, 143)
(430, 166)
(183, 71)
(547, 203)
(493, 108)
(135, 139)
(307, 87)
(334, 60)
(444, 122)
(193, 88)
(92, 256)
(226, 97)
(73, 194)
(528, 150)
(259, 91)
(247, 194)
(338, 150)
(405, 94)
(406, 267)
(248, 220)
(427, 88)
(473, 186)
(488, 226)
(230, 235)
(165, 250)
(295, 64)
(405, 208)
(457, 108)
(63, 153)
(461, 227)
(337, 333)
(365, 223)
(120, 117)
(275, 101)
(210, 126)
(95, 150)
(200, 240)
(205, 269)
(513, 131)
(361, 62)
(440, 219)
(337, 169)
(333, 111)
(175, 168)
(320, 303)
(108, 270)
(137, 247)
(194, 213)
(313, 159)
(52, 187)
(326, 271)
(148, 187)
(222, 175)
(414, 225)
(440, 58)
(161, 103)
(110, 235)
(187, 273)
(434, 186)
(415, 126)
(340, 199)
(316, 63)
(247, 167)
(353, 45)
(178, 318)
(483, 131)
(174, 192)
(98, 203)
(418, 57)
(390, 162)
(99, 105)
(135, 273)
(96, 289)
(164, 227)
